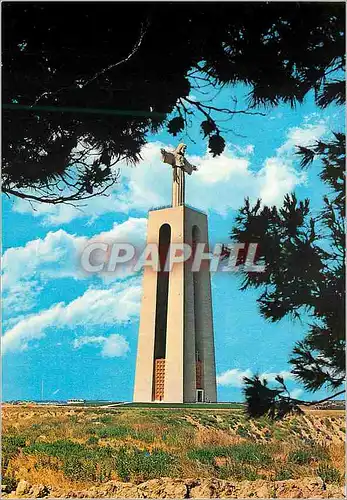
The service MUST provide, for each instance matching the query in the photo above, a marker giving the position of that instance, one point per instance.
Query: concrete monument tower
(175, 356)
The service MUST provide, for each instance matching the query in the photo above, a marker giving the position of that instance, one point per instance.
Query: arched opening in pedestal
(161, 315)
(199, 353)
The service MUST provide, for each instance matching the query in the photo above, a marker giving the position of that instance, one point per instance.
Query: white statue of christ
(180, 166)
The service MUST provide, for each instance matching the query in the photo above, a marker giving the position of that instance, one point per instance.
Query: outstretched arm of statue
(167, 157)
(188, 167)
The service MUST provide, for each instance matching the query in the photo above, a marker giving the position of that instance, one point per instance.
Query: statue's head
(181, 148)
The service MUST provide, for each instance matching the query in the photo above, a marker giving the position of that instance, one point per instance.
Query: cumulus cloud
(305, 135)
(111, 347)
(277, 178)
(57, 255)
(42, 256)
(225, 181)
(96, 307)
(234, 377)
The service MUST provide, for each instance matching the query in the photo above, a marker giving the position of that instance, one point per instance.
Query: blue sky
(78, 333)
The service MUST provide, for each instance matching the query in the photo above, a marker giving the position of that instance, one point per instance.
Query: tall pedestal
(175, 357)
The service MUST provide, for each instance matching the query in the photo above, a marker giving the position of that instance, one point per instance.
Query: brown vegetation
(68, 450)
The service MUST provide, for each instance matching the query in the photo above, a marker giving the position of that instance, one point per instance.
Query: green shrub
(207, 420)
(306, 455)
(113, 432)
(80, 470)
(78, 462)
(106, 419)
(279, 434)
(238, 472)
(85, 463)
(244, 452)
(11, 445)
(13, 441)
(35, 427)
(143, 465)
(250, 453)
(10, 482)
(143, 435)
(62, 448)
(92, 440)
(242, 432)
(329, 474)
(300, 457)
(262, 422)
(204, 455)
(179, 437)
(284, 474)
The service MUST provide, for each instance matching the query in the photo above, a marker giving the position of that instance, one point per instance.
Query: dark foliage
(304, 260)
(84, 83)
(262, 400)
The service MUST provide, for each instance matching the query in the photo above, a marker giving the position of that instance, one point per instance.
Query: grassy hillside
(77, 447)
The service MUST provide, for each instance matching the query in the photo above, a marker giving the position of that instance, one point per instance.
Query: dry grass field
(68, 449)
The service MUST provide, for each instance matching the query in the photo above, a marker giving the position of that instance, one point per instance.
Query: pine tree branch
(102, 71)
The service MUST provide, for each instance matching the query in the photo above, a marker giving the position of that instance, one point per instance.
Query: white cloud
(278, 175)
(305, 135)
(22, 297)
(234, 377)
(112, 346)
(276, 179)
(118, 304)
(40, 257)
(55, 256)
(296, 393)
(81, 341)
(224, 181)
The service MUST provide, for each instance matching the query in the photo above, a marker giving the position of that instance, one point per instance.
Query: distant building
(334, 404)
(75, 401)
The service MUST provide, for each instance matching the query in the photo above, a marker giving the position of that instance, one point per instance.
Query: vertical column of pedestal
(189, 365)
(145, 349)
(173, 388)
(205, 309)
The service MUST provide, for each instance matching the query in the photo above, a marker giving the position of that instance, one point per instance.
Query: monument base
(175, 358)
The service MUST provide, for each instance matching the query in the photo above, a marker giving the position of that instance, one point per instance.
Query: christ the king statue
(180, 165)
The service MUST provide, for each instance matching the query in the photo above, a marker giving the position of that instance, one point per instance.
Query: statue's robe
(179, 166)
